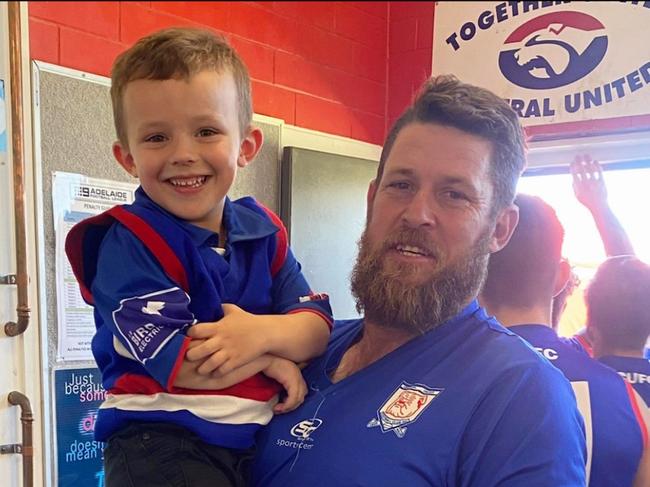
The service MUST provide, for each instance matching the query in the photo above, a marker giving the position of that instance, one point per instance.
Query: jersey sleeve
(526, 431)
(291, 292)
(145, 310)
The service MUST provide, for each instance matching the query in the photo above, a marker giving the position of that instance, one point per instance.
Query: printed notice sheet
(74, 198)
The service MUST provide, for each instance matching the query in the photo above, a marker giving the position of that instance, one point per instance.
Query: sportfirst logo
(553, 50)
(302, 432)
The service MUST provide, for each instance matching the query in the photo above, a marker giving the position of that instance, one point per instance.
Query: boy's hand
(233, 341)
(288, 375)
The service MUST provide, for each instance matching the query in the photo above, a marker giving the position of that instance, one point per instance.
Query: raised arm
(590, 190)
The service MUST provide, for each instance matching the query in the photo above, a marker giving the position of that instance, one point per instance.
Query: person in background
(590, 190)
(618, 318)
(522, 279)
(198, 302)
(426, 389)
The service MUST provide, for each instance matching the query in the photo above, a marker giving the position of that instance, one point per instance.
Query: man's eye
(402, 185)
(455, 195)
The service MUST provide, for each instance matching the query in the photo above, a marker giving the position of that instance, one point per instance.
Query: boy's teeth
(188, 182)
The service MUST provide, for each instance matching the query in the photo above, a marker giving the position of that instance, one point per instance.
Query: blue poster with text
(78, 394)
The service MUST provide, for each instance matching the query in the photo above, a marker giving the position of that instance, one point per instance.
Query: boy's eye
(207, 132)
(155, 138)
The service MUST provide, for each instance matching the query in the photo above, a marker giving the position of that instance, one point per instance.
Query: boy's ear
(124, 157)
(250, 146)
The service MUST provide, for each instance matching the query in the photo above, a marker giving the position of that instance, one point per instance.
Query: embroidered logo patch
(403, 407)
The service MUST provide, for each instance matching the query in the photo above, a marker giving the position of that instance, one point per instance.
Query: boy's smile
(185, 143)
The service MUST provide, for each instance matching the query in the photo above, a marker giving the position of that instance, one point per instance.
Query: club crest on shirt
(403, 407)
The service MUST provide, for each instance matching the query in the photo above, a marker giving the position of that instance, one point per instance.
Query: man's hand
(589, 188)
(588, 183)
(288, 375)
(233, 341)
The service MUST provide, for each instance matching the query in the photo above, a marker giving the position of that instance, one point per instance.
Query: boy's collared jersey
(468, 404)
(150, 276)
(616, 432)
(635, 370)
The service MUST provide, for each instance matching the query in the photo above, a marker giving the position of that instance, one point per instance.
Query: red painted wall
(319, 65)
(410, 47)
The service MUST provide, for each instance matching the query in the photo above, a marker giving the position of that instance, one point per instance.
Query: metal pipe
(15, 73)
(26, 419)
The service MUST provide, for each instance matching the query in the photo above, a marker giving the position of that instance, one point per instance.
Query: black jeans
(164, 455)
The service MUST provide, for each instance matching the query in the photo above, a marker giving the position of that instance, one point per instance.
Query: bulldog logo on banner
(553, 50)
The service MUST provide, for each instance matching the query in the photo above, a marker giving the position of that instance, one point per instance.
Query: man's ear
(124, 157)
(505, 224)
(562, 276)
(250, 146)
(370, 198)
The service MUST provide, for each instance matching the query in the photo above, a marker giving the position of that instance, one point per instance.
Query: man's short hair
(617, 302)
(178, 53)
(522, 274)
(447, 101)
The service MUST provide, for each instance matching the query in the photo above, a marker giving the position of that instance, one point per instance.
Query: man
(522, 280)
(618, 318)
(426, 389)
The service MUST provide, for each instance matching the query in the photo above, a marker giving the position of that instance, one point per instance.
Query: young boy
(188, 376)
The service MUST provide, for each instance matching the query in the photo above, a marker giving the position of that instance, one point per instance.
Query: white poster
(74, 198)
(553, 61)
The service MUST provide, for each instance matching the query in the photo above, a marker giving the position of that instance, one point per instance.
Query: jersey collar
(241, 223)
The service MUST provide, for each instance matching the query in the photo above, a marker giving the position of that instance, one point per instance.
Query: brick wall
(318, 65)
(410, 48)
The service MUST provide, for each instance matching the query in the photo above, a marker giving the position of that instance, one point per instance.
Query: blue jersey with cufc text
(635, 370)
(616, 432)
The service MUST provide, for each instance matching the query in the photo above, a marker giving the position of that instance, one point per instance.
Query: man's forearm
(614, 237)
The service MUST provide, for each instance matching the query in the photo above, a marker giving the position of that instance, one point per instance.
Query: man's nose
(183, 151)
(420, 210)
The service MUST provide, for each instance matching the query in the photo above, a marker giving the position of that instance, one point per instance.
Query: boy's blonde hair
(178, 53)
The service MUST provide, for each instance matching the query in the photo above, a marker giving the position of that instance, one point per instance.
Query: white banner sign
(553, 61)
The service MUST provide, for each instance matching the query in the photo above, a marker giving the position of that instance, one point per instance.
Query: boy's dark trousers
(165, 455)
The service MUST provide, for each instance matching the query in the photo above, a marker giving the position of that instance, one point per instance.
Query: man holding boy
(185, 395)
(426, 389)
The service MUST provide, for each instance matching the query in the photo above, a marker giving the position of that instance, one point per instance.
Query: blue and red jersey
(150, 276)
(614, 425)
(635, 370)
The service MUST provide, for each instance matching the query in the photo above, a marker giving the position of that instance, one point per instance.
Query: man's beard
(388, 297)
